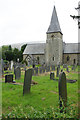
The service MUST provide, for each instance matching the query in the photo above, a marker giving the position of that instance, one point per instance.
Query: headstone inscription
(17, 72)
(62, 91)
(51, 76)
(27, 81)
(9, 78)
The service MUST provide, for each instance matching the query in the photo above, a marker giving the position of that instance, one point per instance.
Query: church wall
(41, 58)
(70, 59)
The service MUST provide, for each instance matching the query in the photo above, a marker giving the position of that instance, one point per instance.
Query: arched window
(68, 58)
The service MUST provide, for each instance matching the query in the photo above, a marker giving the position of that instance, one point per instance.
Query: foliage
(4, 49)
(9, 55)
(10, 48)
(23, 47)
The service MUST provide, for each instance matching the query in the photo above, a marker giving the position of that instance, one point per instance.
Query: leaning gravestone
(27, 81)
(62, 90)
(17, 72)
(51, 76)
(9, 78)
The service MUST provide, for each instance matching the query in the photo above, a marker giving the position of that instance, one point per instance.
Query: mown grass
(43, 98)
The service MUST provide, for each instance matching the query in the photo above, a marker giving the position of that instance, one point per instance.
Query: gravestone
(62, 91)
(27, 81)
(11, 65)
(40, 70)
(9, 78)
(47, 68)
(51, 76)
(58, 66)
(52, 67)
(64, 66)
(73, 67)
(57, 73)
(43, 69)
(36, 70)
(17, 72)
(67, 69)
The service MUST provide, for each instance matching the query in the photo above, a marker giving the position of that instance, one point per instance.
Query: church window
(74, 61)
(53, 58)
(68, 58)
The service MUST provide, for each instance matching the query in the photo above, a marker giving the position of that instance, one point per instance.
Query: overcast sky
(28, 20)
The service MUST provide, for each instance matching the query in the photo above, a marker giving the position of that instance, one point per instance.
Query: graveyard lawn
(43, 100)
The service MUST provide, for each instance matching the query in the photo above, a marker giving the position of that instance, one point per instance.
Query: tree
(15, 54)
(23, 47)
(9, 55)
(10, 48)
(4, 49)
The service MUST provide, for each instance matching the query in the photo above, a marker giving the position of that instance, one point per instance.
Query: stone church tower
(54, 42)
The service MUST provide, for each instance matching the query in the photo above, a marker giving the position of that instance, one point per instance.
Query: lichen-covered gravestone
(17, 72)
(62, 91)
(27, 81)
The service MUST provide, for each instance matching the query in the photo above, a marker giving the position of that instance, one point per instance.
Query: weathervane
(77, 17)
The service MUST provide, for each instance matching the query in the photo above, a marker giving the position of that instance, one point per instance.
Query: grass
(43, 97)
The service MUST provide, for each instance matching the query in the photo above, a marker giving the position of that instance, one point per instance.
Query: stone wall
(70, 59)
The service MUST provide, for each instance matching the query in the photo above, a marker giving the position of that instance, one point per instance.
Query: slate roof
(37, 48)
(71, 48)
(54, 24)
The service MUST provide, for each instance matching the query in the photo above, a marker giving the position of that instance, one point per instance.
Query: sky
(28, 20)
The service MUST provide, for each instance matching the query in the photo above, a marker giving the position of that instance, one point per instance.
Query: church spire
(54, 24)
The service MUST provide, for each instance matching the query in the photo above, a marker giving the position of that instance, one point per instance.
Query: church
(54, 51)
